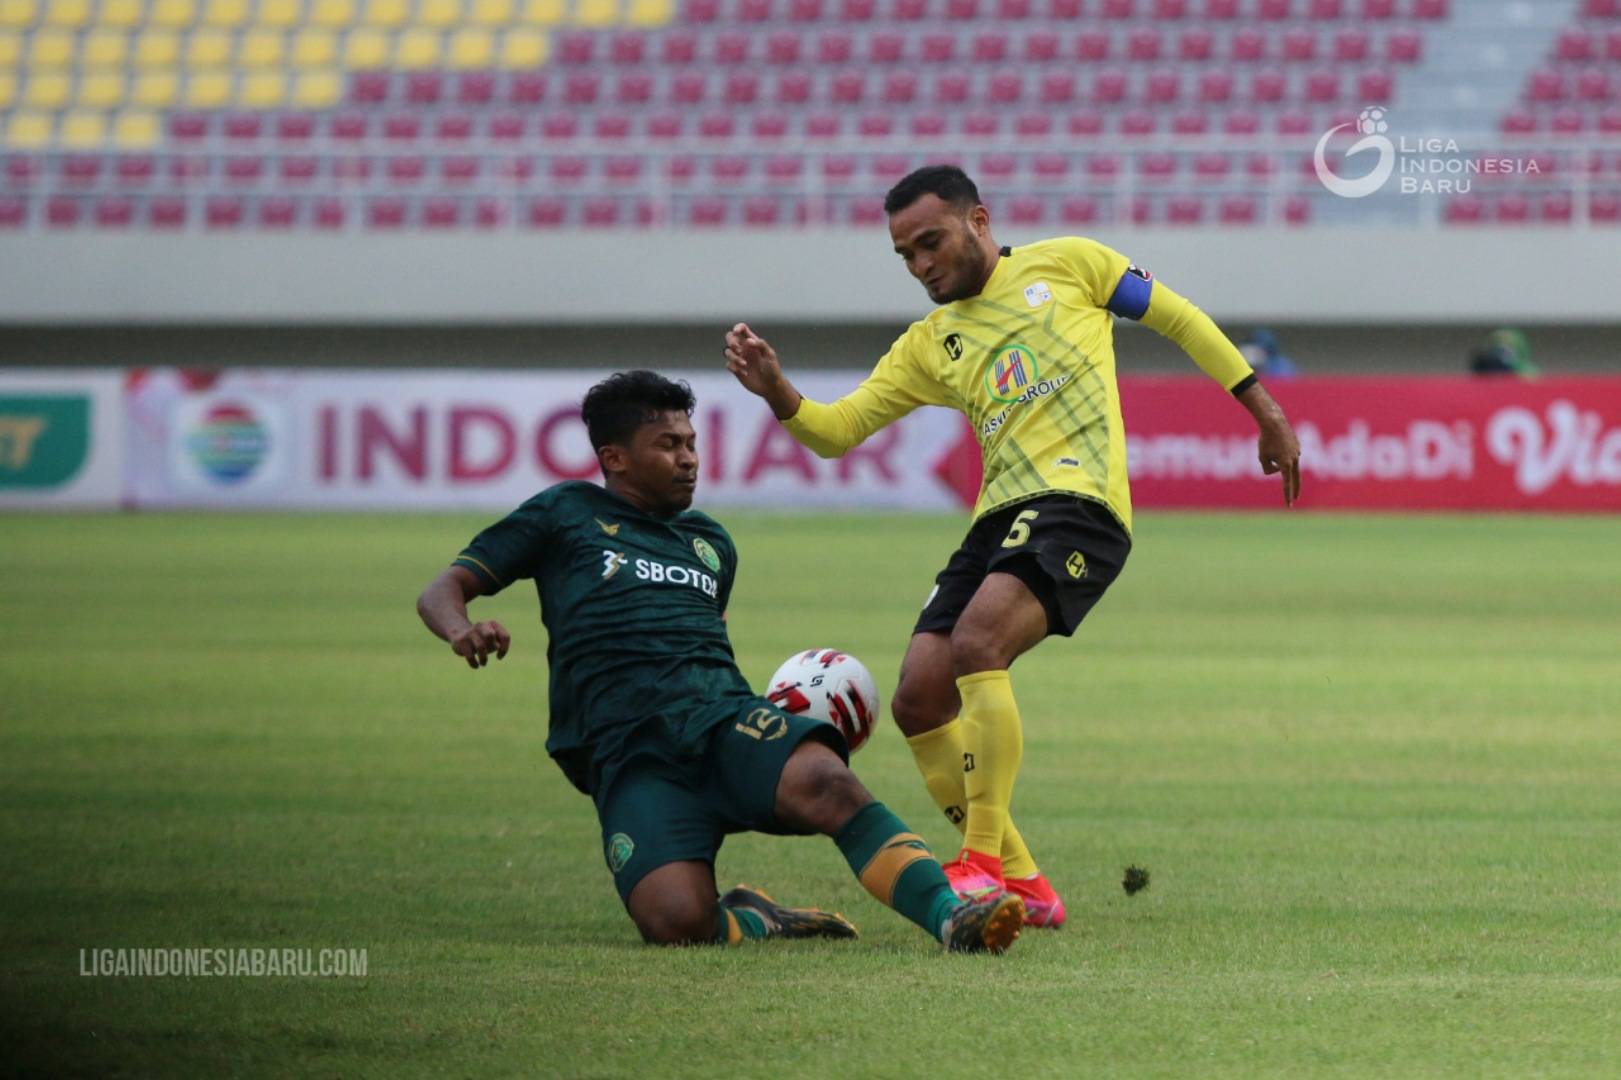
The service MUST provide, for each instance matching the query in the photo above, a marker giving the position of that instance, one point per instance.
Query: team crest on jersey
(1037, 294)
(708, 554)
(1138, 271)
(1011, 373)
(620, 849)
(953, 346)
(1076, 565)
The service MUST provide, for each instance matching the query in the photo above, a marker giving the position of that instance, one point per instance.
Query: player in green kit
(649, 713)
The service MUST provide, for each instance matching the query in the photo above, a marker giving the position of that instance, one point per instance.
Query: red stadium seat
(1063, 10)
(1557, 208)
(793, 88)
(134, 170)
(574, 48)
(278, 213)
(1378, 9)
(424, 87)
(547, 212)
(1057, 88)
(1041, 46)
(1118, 9)
(1103, 167)
(1323, 86)
(1190, 122)
(559, 127)
(1300, 44)
(875, 125)
(1144, 45)
(224, 212)
(909, 10)
(1078, 210)
(952, 88)
(1576, 44)
(506, 127)
(1196, 44)
(188, 127)
(81, 169)
(717, 125)
(769, 126)
(990, 47)
(1012, 10)
(731, 48)
(760, 211)
(1168, 10)
(1005, 88)
(330, 213)
(1404, 47)
(295, 127)
(886, 48)
(927, 124)
(982, 123)
(403, 127)
(1110, 87)
(298, 170)
(166, 213)
(489, 212)
(114, 213)
(823, 125)
(1033, 124)
(1268, 86)
(569, 169)
(622, 169)
(458, 169)
(1519, 122)
(962, 10)
(441, 212)
(1184, 210)
(453, 127)
(1430, 9)
(189, 169)
(1220, 10)
(1351, 45)
(1239, 210)
(1242, 122)
(1294, 122)
(13, 211)
(1375, 87)
(679, 47)
(1594, 85)
(1601, 9)
(1091, 46)
(848, 87)
(784, 168)
(1274, 9)
(1085, 123)
(1512, 208)
(1545, 85)
(1215, 87)
(1568, 122)
(1465, 210)
(700, 11)
(1157, 168)
(741, 88)
(707, 212)
(628, 48)
(599, 213)
(244, 127)
(1604, 207)
(475, 88)
(1163, 87)
(1247, 46)
(244, 169)
(1026, 210)
(1212, 167)
(1297, 210)
(689, 88)
(857, 10)
(1050, 167)
(1139, 122)
(633, 88)
(369, 87)
(527, 88)
(834, 47)
(784, 48)
(1327, 10)
(754, 10)
(887, 169)
(997, 168)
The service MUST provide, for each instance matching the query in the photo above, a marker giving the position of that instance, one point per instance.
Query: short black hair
(618, 405)
(947, 181)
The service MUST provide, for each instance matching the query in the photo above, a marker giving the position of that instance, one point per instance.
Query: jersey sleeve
(513, 548)
(1133, 293)
(897, 385)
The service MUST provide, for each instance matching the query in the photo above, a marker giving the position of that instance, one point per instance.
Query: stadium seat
(168, 212)
(1091, 47)
(222, 212)
(1404, 47)
(1184, 210)
(1247, 46)
(1078, 210)
(1163, 87)
(1299, 45)
(13, 211)
(1056, 88)
(1190, 122)
(1041, 46)
(1604, 207)
(1196, 44)
(1144, 46)
(1033, 124)
(929, 124)
(783, 48)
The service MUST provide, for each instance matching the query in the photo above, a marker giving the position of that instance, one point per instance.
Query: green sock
(896, 867)
(738, 924)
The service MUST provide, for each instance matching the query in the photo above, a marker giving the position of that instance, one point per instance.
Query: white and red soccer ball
(826, 684)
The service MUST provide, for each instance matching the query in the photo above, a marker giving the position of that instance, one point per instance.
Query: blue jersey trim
(1130, 299)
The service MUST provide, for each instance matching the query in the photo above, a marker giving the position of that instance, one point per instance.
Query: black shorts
(1067, 549)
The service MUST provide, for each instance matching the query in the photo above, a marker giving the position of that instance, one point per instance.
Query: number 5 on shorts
(1021, 529)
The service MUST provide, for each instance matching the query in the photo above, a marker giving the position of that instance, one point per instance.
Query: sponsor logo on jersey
(1039, 390)
(620, 849)
(1037, 294)
(953, 346)
(707, 553)
(611, 530)
(1011, 373)
(611, 562)
(673, 574)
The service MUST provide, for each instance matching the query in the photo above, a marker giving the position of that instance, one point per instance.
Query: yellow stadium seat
(386, 12)
(263, 90)
(102, 49)
(417, 49)
(50, 50)
(157, 49)
(317, 90)
(366, 49)
(74, 13)
(209, 90)
(208, 49)
(543, 12)
(120, 13)
(281, 13)
(523, 49)
(649, 13)
(84, 129)
(260, 49)
(30, 129)
(332, 12)
(440, 13)
(47, 90)
(472, 47)
(596, 13)
(11, 49)
(8, 89)
(104, 90)
(315, 48)
(18, 12)
(492, 12)
(156, 89)
(172, 13)
(136, 130)
(225, 13)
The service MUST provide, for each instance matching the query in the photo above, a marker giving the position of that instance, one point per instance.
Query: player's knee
(916, 711)
(820, 792)
(976, 647)
(678, 920)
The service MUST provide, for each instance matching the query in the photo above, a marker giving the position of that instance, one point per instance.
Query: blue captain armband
(1131, 296)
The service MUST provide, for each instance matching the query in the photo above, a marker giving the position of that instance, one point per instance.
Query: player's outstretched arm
(752, 359)
(443, 608)
(1279, 449)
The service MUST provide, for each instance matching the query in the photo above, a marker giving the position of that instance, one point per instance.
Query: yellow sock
(993, 745)
(938, 754)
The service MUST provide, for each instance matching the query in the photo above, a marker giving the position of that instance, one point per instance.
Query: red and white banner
(489, 440)
(1433, 443)
(481, 440)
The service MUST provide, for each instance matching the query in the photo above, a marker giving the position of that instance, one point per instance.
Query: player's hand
(1280, 453)
(479, 640)
(752, 359)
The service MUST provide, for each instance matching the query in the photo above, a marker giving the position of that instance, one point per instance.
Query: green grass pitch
(1372, 763)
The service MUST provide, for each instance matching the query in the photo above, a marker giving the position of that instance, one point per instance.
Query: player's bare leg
(675, 904)
(926, 706)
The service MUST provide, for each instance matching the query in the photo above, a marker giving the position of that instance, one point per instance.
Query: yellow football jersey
(1030, 362)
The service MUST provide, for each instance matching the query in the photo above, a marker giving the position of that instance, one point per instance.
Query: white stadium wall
(1343, 276)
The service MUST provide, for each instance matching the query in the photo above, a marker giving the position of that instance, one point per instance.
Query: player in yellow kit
(1023, 346)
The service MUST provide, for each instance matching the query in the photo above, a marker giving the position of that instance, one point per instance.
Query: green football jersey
(633, 604)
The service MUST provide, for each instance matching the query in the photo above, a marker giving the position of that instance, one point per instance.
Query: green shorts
(659, 810)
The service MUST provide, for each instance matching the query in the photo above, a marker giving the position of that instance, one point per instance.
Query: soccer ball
(1371, 121)
(826, 684)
